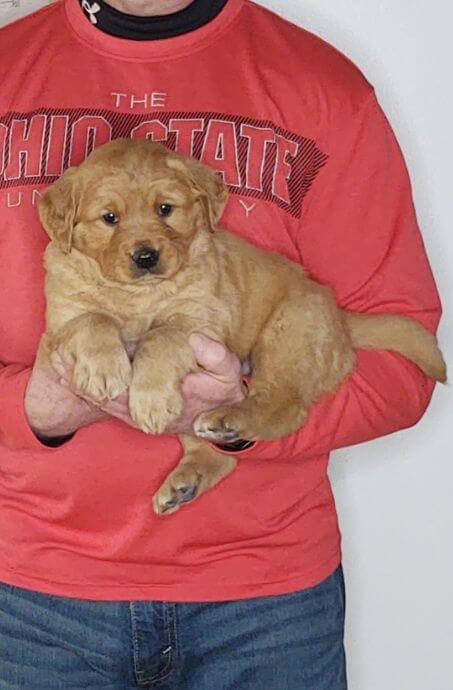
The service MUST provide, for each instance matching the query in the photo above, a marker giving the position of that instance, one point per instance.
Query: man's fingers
(210, 354)
(213, 356)
(202, 386)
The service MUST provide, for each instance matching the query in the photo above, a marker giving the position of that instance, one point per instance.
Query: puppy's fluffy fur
(135, 196)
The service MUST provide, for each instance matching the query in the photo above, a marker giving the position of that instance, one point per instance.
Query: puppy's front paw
(100, 375)
(153, 410)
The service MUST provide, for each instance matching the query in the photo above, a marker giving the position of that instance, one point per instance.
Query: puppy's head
(134, 207)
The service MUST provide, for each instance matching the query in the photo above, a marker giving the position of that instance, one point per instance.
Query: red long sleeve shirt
(314, 172)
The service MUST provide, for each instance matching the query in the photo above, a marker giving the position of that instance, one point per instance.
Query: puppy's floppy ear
(209, 186)
(58, 209)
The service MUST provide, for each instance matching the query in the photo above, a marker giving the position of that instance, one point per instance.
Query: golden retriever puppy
(136, 257)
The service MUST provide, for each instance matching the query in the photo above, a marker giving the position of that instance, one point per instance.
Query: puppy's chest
(194, 302)
(134, 314)
(138, 314)
(133, 311)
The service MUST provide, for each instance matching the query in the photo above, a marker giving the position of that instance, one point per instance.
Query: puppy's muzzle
(146, 258)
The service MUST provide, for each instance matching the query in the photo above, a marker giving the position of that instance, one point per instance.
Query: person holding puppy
(243, 589)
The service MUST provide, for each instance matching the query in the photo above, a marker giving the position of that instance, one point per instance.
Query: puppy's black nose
(146, 258)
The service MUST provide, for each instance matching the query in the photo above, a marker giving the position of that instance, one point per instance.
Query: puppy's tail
(400, 334)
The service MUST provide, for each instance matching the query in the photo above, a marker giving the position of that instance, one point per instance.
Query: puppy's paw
(223, 425)
(101, 375)
(181, 486)
(153, 410)
(250, 420)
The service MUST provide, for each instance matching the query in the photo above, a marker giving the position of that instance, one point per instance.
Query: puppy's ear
(209, 186)
(58, 209)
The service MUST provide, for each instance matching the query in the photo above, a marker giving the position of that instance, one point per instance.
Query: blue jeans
(287, 642)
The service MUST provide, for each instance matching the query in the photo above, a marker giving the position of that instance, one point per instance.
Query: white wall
(394, 495)
(13, 9)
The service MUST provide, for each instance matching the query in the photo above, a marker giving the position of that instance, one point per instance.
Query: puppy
(136, 258)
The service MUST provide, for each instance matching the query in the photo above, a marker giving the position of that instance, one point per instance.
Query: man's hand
(53, 409)
(218, 384)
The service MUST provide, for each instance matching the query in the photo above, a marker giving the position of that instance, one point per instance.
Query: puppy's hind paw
(180, 487)
(218, 426)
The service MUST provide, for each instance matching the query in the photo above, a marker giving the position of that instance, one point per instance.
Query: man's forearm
(56, 428)
(52, 410)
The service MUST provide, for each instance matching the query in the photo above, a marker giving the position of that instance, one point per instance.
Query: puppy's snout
(145, 258)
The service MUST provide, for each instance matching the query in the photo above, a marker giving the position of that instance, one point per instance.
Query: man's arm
(15, 431)
(219, 383)
(37, 405)
(38, 409)
(53, 410)
(359, 234)
(33, 405)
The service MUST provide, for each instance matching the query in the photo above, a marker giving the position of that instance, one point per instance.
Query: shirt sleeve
(359, 234)
(15, 431)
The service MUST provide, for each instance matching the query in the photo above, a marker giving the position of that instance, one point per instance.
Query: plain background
(394, 495)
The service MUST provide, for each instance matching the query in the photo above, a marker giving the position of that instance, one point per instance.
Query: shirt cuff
(238, 446)
(54, 441)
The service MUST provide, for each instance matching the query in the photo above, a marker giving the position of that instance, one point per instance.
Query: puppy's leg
(269, 412)
(92, 345)
(302, 353)
(162, 360)
(200, 469)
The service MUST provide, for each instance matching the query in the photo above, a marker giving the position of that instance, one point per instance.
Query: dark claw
(170, 504)
(187, 493)
(182, 495)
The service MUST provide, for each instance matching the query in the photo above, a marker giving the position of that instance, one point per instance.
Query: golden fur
(259, 304)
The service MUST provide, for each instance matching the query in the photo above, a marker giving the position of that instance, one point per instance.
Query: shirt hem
(172, 593)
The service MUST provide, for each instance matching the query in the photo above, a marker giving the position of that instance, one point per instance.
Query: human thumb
(211, 355)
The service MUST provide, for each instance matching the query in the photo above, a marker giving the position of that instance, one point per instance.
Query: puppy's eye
(164, 209)
(110, 218)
